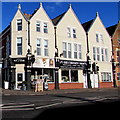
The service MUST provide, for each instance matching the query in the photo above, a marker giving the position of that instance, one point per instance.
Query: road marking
(47, 105)
(17, 106)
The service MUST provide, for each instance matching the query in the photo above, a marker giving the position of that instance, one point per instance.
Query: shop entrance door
(94, 80)
(19, 80)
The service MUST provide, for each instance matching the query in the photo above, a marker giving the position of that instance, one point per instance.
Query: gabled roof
(87, 25)
(58, 18)
(111, 29)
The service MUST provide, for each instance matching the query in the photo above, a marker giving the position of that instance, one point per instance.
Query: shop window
(74, 75)
(65, 76)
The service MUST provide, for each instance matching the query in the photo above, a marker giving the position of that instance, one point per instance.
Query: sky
(85, 11)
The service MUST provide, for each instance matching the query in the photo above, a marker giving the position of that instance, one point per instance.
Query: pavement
(22, 92)
(29, 104)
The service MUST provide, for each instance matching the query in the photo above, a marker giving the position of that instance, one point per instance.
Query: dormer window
(19, 24)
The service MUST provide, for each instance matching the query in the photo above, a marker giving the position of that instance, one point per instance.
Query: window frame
(75, 50)
(64, 44)
(38, 26)
(19, 24)
(18, 46)
(38, 47)
(46, 48)
(45, 28)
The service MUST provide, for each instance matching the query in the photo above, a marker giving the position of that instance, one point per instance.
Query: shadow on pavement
(99, 110)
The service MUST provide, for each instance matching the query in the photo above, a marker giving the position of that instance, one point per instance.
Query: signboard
(44, 62)
(19, 60)
(72, 64)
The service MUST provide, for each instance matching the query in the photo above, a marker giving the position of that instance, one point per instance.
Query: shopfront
(71, 74)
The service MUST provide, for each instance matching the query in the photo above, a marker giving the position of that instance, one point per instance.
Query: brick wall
(106, 85)
(66, 85)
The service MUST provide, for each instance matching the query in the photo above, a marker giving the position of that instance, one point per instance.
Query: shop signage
(44, 63)
(19, 60)
(72, 64)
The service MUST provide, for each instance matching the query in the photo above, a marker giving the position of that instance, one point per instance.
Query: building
(114, 32)
(34, 46)
(33, 33)
(100, 53)
(71, 48)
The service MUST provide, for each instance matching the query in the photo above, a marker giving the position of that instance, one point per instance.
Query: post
(88, 72)
(56, 61)
(56, 74)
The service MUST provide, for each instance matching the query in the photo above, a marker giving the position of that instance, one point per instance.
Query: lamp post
(114, 71)
(88, 72)
(29, 61)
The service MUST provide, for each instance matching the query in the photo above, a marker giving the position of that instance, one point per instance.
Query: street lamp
(114, 71)
(30, 59)
(88, 72)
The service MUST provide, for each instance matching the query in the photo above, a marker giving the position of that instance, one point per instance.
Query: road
(69, 105)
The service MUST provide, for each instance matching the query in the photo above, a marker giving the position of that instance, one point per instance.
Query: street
(70, 104)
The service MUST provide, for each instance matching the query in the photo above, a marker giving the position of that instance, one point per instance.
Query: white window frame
(37, 21)
(17, 24)
(69, 50)
(39, 47)
(106, 76)
(75, 50)
(64, 49)
(46, 48)
(98, 53)
(79, 51)
(69, 32)
(97, 37)
(101, 37)
(44, 27)
(17, 45)
(74, 33)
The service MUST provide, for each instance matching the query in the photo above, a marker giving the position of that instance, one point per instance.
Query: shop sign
(19, 60)
(44, 62)
(72, 64)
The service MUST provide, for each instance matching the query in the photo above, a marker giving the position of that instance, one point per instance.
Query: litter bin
(6, 84)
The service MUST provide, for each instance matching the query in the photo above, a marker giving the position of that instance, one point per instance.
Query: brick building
(114, 32)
